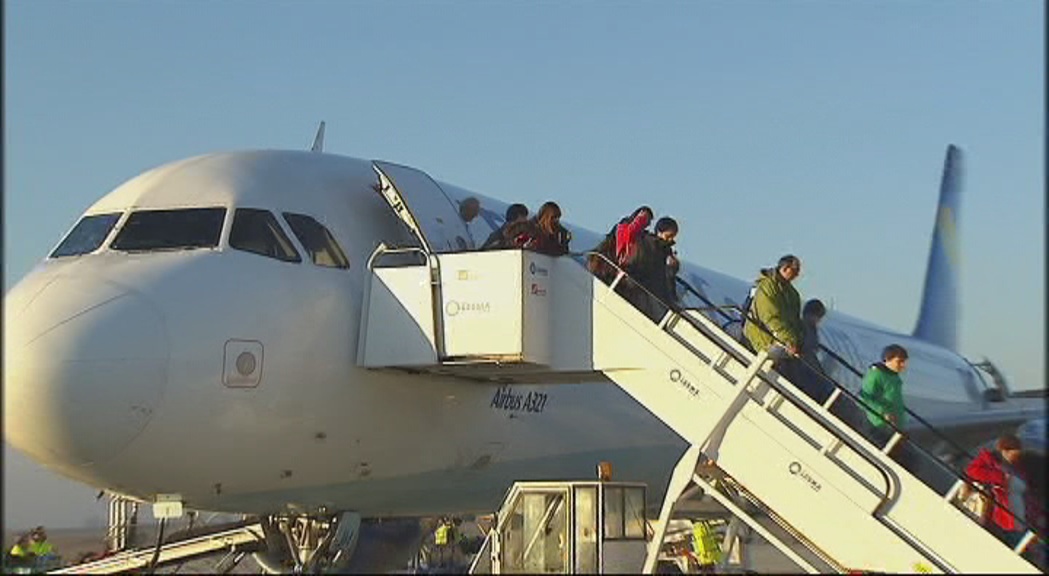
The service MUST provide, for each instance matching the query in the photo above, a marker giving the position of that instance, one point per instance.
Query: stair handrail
(383, 250)
(904, 437)
(746, 363)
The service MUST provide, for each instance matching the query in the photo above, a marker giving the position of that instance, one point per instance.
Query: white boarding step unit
(540, 318)
(476, 313)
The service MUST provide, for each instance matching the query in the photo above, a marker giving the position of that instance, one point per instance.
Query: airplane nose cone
(85, 364)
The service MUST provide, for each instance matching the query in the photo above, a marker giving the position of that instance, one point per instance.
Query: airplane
(195, 333)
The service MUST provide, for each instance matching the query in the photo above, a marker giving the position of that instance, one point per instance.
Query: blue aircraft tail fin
(938, 318)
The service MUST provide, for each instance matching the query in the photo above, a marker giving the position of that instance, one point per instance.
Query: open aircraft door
(427, 211)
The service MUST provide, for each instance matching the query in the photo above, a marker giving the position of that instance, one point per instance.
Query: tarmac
(384, 547)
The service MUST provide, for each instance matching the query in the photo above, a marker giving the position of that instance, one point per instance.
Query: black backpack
(747, 303)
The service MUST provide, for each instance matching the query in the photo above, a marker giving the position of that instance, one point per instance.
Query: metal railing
(899, 435)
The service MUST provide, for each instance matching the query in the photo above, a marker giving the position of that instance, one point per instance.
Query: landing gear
(123, 520)
(308, 544)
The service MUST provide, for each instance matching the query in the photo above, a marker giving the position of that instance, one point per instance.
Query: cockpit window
(257, 231)
(317, 240)
(171, 229)
(87, 235)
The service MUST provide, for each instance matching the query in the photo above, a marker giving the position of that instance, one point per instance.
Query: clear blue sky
(814, 127)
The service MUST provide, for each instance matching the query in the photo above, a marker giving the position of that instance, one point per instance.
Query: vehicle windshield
(180, 229)
(257, 231)
(317, 240)
(87, 236)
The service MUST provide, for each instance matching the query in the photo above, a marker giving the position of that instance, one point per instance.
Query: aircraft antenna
(318, 140)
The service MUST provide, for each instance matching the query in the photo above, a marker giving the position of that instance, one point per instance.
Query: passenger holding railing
(882, 395)
(609, 247)
(655, 269)
(811, 375)
(773, 321)
(997, 470)
(629, 235)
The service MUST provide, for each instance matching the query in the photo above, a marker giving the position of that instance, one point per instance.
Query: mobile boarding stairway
(522, 316)
(513, 316)
(238, 540)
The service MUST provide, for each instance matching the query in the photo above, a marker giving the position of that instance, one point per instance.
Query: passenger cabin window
(180, 229)
(258, 232)
(87, 235)
(315, 238)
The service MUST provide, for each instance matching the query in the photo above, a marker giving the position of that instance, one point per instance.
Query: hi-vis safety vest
(440, 537)
(41, 548)
(705, 543)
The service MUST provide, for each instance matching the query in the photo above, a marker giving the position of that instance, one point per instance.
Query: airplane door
(427, 211)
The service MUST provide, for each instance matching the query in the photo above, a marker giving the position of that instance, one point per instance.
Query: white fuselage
(115, 364)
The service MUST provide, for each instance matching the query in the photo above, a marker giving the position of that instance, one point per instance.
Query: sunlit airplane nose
(85, 364)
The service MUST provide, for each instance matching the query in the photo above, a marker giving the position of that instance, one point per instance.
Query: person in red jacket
(995, 470)
(628, 236)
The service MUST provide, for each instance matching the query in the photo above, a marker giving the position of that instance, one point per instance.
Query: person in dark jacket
(995, 470)
(810, 371)
(655, 268)
(498, 238)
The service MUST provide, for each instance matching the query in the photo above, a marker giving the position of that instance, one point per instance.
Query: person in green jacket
(882, 390)
(882, 395)
(776, 306)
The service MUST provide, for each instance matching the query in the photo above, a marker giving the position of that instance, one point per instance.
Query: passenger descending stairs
(854, 507)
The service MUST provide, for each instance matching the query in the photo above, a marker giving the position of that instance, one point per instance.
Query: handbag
(974, 502)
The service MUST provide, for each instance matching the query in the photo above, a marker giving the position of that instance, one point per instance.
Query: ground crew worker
(442, 537)
(19, 555)
(38, 544)
(21, 547)
(705, 545)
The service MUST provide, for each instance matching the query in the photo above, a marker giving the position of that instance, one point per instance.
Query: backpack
(747, 303)
(601, 267)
